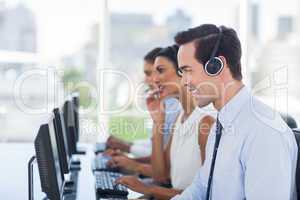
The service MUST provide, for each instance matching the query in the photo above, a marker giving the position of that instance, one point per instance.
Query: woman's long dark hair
(170, 53)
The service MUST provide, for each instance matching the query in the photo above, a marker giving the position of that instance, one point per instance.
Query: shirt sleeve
(173, 108)
(141, 148)
(268, 161)
(194, 191)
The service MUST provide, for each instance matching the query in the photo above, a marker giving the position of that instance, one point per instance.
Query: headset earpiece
(215, 65)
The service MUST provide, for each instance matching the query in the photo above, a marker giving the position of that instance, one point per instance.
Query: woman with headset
(185, 152)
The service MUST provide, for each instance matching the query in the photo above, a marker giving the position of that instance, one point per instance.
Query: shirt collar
(232, 108)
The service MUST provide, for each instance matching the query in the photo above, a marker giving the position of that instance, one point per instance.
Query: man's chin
(202, 103)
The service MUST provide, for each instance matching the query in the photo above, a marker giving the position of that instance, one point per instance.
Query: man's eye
(160, 70)
(187, 70)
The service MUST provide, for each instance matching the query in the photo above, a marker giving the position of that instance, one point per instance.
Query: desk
(14, 180)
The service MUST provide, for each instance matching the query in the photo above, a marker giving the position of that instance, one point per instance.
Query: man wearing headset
(251, 152)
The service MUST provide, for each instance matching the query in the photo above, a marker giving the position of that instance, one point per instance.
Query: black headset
(215, 65)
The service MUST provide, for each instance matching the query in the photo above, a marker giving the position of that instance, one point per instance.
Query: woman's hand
(134, 184)
(156, 108)
(113, 152)
(123, 162)
(116, 143)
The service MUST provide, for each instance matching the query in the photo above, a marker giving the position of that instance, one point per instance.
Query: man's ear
(221, 75)
(223, 60)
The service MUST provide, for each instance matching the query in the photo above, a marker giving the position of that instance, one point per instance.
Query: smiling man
(251, 152)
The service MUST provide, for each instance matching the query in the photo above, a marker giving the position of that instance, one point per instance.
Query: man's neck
(227, 92)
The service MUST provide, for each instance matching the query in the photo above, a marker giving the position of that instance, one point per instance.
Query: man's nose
(152, 79)
(155, 79)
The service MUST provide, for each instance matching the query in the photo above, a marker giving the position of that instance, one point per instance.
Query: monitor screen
(75, 108)
(70, 126)
(49, 171)
(59, 174)
(62, 140)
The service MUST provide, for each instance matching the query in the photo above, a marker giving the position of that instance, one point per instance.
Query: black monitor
(62, 141)
(52, 181)
(75, 100)
(55, 147)
(70, 126)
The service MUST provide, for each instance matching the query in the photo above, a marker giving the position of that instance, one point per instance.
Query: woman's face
(149, 72)
(166, 77)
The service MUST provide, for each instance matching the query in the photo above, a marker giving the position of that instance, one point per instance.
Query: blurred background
(51, 48)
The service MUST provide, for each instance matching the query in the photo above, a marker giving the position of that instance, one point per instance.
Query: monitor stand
(30, 178)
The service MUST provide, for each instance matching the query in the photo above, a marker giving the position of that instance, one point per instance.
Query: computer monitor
(70, 126)
(54, 146)
(52, 181)
(62, 141)
(75, 101)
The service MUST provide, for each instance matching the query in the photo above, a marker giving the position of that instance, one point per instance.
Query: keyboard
(100, 164)
(106, 187)
(69, 197)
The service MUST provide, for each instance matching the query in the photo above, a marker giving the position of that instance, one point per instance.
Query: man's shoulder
(266, 129)
(264, 117)
(267, 126)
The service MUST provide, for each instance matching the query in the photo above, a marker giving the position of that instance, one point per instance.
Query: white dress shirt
(256, 157)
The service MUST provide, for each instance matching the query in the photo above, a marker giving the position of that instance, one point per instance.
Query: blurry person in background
(139, 148)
